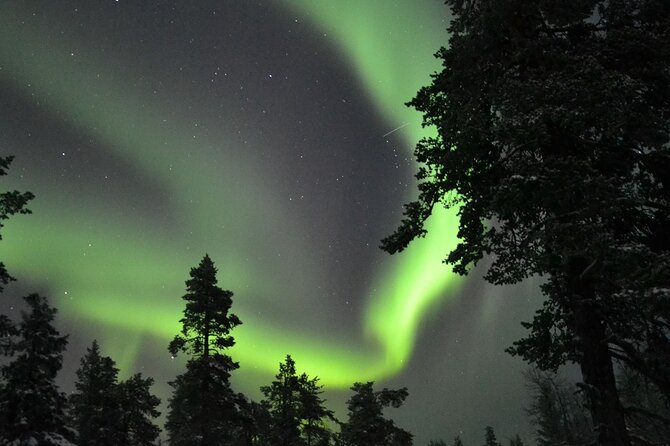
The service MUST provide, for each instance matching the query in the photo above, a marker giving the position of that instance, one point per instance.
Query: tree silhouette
(13, 202)
(203, 407)
(138, 406)
(552, 143)
(94, 406)
(366, 425)
(31, 406)
(490, 437)
(296, 408)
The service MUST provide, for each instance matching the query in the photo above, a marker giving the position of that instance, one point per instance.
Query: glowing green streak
(393, 60)
(128, 274)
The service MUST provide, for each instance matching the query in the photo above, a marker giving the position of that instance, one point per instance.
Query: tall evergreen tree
(106, 412)
(94, 406)
(297, 411)
(138, 406)
(366, 425)
(313, 412)
(283, 395)
(203, 407)
(31, 406)
(490, 437)
(256, 422)
(553, 123)
(12, 202)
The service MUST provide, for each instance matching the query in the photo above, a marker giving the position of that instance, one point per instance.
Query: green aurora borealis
(106, 266)
(273, 136)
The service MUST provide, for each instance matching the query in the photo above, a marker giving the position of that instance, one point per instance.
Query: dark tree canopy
(490, 437)
(553, 130)
(366, 424)
(31, 406)
(297, 411)
(94, 405)
(204, 408)
(138, 408)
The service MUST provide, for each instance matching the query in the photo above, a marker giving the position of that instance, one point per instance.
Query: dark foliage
(366, 425)
(204, 408)
(553, 123)
(298, 414)
(31, 406)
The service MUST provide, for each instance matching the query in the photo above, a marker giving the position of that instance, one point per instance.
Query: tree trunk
(596, 362)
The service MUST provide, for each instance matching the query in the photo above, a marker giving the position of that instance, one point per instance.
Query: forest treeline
(204, 409)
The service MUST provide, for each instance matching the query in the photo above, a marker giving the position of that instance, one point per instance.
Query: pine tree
(297, 411)
(313, 412)
(13, 202)
(283, 395)
(94, 406)
(256, 421)
(458, 441)
(31, 406)
(490, 437)
(366, 425)
(552, 144)
(138, 406)
(203, 407)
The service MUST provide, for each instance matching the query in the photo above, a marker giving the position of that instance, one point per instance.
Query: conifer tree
(313, 412)
(297, 411)
(138, 406)
(366, 425)
(490, 437)
(256, 421)
(94, 406)
(458, 441)
(283, 395)
(552, 144)
(203, 407)
(31, 405)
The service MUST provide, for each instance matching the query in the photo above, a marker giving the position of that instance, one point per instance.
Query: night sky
(273, 136)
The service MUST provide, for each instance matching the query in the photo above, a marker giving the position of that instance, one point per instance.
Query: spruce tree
(297, 411)
(32, 409)
(203, 408)
(313, 412)
(138, 406)
(490, 437)
(366, 424)
(283, 395)
(94, 406)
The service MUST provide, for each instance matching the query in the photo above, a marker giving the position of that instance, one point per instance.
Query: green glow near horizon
(118, 293)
